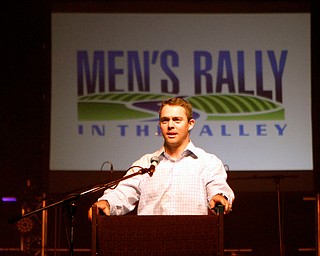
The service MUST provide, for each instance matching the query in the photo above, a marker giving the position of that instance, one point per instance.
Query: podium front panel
(158, 235)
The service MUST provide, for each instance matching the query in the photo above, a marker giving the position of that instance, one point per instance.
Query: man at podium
(186, 180)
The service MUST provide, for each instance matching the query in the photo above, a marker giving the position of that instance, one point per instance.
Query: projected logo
(226, 98)
(130, 106)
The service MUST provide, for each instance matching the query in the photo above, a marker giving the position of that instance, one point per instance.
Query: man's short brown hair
(178, 102)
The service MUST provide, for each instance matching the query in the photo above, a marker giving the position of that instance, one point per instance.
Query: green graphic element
(103, 107)
(237, 107)
(222, 107)
(92, 111)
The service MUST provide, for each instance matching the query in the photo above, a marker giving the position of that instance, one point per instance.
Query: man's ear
(191, 124)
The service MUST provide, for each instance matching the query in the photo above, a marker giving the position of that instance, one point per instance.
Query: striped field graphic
(125, 106)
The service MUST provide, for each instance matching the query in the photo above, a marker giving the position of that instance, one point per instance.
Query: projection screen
(248, 77)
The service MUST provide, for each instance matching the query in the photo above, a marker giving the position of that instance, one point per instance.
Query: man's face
(174, 125)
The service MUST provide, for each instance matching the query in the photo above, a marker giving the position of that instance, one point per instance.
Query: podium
(157, 235)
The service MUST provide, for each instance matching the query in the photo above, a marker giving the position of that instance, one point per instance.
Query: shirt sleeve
(217, 180)
(126, 195)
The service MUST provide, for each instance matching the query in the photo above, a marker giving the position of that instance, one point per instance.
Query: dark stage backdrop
(26, 119)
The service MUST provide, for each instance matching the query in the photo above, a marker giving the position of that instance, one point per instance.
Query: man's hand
(220, 199)
(101, 206)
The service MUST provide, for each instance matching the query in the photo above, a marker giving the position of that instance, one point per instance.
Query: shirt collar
(189, 151)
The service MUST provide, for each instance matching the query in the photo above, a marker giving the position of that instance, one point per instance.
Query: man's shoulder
(201, 153)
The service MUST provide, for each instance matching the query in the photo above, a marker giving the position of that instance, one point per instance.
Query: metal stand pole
(44, 226)
(22, 238)
(318, 225)
(277, 181)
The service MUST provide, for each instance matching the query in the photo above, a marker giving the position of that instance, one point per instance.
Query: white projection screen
(248, 77)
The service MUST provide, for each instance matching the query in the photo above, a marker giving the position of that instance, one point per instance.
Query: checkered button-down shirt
(177, 187)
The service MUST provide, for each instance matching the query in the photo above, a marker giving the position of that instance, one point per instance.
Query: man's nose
(170, 124)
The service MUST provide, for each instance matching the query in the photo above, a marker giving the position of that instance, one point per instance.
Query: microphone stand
(71, 199)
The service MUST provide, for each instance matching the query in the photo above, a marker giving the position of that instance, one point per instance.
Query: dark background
(25, 130)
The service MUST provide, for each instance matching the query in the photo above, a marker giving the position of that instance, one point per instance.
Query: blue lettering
(261, 130)
(158, 133)
(241, 76)
(80, 129)
(278, 71)
(259, 77)
(113, 71)
(90, 77)
(202, 72)
(224, 131)
(242, 131)
(141, 130)
(134, 69)
(206, 130)
(225, 73)
(280, 129)
(167, 70)
(123, 130)
(99, 130)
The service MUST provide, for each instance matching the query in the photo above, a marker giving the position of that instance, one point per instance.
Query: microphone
(107, 162)
(111, 168)
(154, 162)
